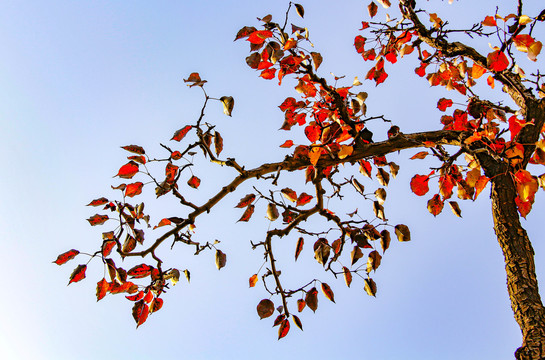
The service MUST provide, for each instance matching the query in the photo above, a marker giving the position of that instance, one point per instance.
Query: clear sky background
(79, 79)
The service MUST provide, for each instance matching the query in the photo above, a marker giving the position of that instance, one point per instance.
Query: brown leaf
(64, 257)
(311, 299)
(359, 187)
(221, 259)
(301, 304)
(347, 276)
(102, 289)
(402, 232)
(316, 59)
(299, 247)
(378, 210)
(455, 208)
(380, 194)
(373, 261)
(218, 142)
(301, 12)
(370, 287)
(246, 200)
(384, 240)
(372, 9)
(272, 212)
(328, 292)
(435, 205)
(265, 308)
(321, 251)
(383, 177)
(228, 104)
(355, 255)
(297, 322)
(247, 213)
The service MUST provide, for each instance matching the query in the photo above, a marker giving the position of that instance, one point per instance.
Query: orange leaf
(64, 257)
(435, 205)
(128, 170)
(78, 274)
(268, 74)
(489, 21)
(163, 222)
(490, 81)
(301, 305)
(420, 155)
(253, 280)
(287, 144)
(140, 271)
(290, 44)
(156, 305)
(477, 71)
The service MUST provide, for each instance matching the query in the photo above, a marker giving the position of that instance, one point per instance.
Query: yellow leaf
(534, 50)
(345, 151)
(314, 155)
(525, 19)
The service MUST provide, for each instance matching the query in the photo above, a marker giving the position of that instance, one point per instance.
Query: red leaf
(245, 32)
(489, 21)
(359, 43)
(64, 257)
(148, 297)
(140, 271)
(78, 274)
(288, 104)
(497, 61)
(279, 320)
(163, 222)
(299, 247)
(245, 201)
(134, 189)
(139, 159)
(347, 276)
(194, 182)
(128, 170)
(313, 132)
(304, 199)
(98, 202)
(247, 213)
(180, 134)
(136, 297)
(102, 289)
(134, 149)
(97, 219)
(284, 329)
(176, 155)
(140, 312)
(515, 125)
(258, 37)
(170, 173)
(365, 168)
(287, 144)
(301, 305)
(419, 184)
(443, 104)
(107, 247)
(328, 292)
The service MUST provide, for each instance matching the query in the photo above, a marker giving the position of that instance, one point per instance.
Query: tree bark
(520, 268)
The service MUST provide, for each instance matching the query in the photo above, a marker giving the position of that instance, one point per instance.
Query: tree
(500, 144)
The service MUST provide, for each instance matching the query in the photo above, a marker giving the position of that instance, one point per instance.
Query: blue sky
(80, 79)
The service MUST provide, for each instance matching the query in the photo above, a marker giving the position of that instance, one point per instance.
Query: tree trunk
(519, 265)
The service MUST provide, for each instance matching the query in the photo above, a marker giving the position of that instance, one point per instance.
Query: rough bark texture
(519, 266)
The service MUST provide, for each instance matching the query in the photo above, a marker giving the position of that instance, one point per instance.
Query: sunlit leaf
(328, 292)
(347, 276)
(304, 199)
(497, 61)
(245, 201)
(134, 189)
(78, 274)
(289, 194)
(64, 257)
(102, 289)
(402, 232)
(97, 219)
(194, 182)
(180, 134)
(370, 287)
(128, 170)
(221, 259)
(140, 312)
(134, 149)
(284, 329)
(301, 304)
(419, 184)
(253, 280)
(299, 247)
(435, 205)
(98, 202)
(140, 271)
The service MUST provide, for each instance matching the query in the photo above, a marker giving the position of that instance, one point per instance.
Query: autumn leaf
(370, 287)
(98, 202)
(358, 186)
(247, 213)
(489, 21)
(228, 104)
(420, 155)
(443, 104)
(328, 292)
(78, 274)
(140, 271)
(297, 322)
(102, 289)
(134, 189)
(402, 232)
(140, 312)
(265, 308)
(180, 134)
(284, 329)
(301, 12)
(195, 80)
(419, 184)
(311, 299)
(299, 247)
(272, 212)
(355, 255)
(435, 205)
(97, 219)
(128, 170)
(246, 200)
(303, 199)
(347, 276)
(316, 59)
(221, 259)
(194, 182)
(497, 61)
(259, 37)
(138, 158)
(66, 256)
(253, 280)
(287, 144)
(156, 305)
(455, 208)
(383, 177)
(163, 222)
(301, 304)
(384, 240)
(289, 194)
(372, 9)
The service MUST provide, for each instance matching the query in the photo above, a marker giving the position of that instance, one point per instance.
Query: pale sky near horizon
(79, 79)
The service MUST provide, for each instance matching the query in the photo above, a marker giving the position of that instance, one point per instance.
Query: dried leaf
(328, 292)
(301, 12)
(370, 287)
(301, 304)
(218, 143)
(355, 255)
(297, 322)
(272, 212)
(180, 134)
(245, 201)
(299, 247)
(78, 274)
(253, 280)
(140, 312)
(221, 259)
(247, 213)
(373, 261)
(347, 276)
(194, 182)
(385, 240)
(265, 308)
(102, 289)
(455, 208)
(64, 257)
(228, 104)
(311, 299)
(289, 194)
(97, 219)
(402, 232)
